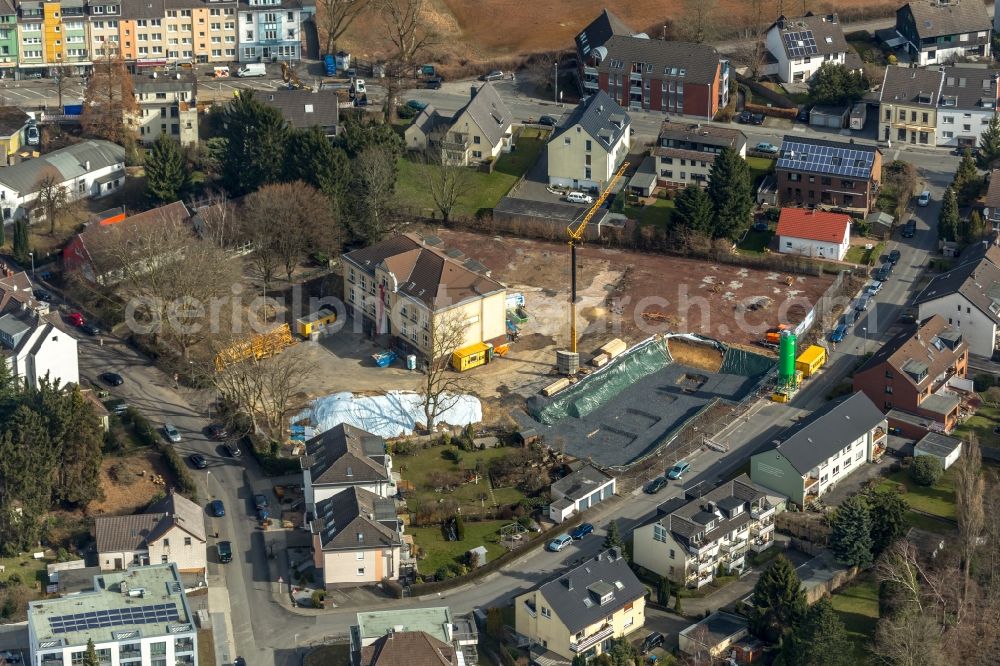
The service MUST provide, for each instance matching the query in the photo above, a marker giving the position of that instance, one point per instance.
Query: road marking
(14, 92)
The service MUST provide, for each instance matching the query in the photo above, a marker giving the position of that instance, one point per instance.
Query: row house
(9, 38)
(817, 453)
(936, 31)
(693, 537)
(908, 105)
(270, 30)
(685, 152)
(968, 101)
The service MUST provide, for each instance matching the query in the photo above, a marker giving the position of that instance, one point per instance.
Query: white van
(253, 69)
(579, 197)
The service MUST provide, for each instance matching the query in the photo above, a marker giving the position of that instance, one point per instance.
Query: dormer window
(924, 98)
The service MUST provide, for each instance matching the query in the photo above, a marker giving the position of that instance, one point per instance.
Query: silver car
(171, 432)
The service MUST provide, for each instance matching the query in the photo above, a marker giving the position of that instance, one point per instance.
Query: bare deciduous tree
(699, 20)
(970, 488)
(52, 196)
(446, 184)
(371, 194)
(443, 386)
(334, 17)
(908, 638)
(109, 105)
(219, 222)
(405, 25)
(753, 52)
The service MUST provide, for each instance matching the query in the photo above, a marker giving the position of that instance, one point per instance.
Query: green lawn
(857, 254)
(756, 241)
(857, 607)
(759, 167)
(982, 424)
(482, 190)
(418, 467)
(938, 500)
(27, 568)
(440, 552)
(658, 213)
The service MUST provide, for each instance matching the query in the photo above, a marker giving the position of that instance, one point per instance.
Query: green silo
(786, 360)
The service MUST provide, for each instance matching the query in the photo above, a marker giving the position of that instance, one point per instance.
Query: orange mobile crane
(575, 237)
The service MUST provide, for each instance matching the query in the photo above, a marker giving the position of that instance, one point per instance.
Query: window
(836, 470)
(476, 139)
(861, 454)
(187, 541)
(672, 556)
(361, 571)
(659, 533)
(359, 555)
(888, 374)
(546, 611)
(923, 118)
(888, 389)
(166, 543)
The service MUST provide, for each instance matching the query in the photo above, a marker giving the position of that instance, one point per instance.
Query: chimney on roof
(472, 91)
(568, 582)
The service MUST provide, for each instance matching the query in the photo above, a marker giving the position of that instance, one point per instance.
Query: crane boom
(575, 236)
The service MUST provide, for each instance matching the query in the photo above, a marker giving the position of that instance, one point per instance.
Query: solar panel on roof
(799, 44)
(826, 159)
(150, 614)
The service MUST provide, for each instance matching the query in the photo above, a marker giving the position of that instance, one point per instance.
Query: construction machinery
(575, 238)
(290, 78)
(257, 346)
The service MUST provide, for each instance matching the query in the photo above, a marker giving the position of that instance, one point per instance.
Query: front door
(265, 53)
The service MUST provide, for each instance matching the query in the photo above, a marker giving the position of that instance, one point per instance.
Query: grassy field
(206, 648)
(937, 500)
(659, 213)
(27, 569)
(440, 552)
(982, 424)
(418, 467)
(857, 606)
(482, 190)
(857, 254)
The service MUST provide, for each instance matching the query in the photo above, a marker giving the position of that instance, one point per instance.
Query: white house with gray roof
(87, 170)
(477, 133)
(800, 45)
(344, 457)
(587, 149)
(967, 102)
(822, 450)
(692, 536)
(578, 491)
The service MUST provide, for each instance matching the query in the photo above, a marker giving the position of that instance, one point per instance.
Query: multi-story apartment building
(831, 174)
(271, 30)
(31, 51)
(139, 616)
(200, 30)
(590, 145)
(167, 105)
(685, 152)
(104, 28)
(8, 38)
(53, 34)
(908, 105)
(968, 102)
(692, 536)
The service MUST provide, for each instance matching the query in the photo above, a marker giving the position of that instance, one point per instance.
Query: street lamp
(32, 263)
(555, 67)
(864, 331)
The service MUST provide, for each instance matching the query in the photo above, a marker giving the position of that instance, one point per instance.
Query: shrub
(442, 573)
(992, 396)
(113, 442)
(460, 528)
(185, 483)
(452, 455)
(121, 474)
(983, 381)
(926, 470)
(318, 596)
(406, 112)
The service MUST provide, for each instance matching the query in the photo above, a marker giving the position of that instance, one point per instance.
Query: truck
(330, 64)
(252, 69)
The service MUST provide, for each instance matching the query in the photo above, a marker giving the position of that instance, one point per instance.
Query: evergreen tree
(821, 640)
(972, 228)
(778, 603)
(21, 244)
(888, 518)
(167, 174)
(622, 652)
(851, 532)
(255, 144)
(359, 135)
(693, 209)
(989, 144)
(90, 657)
(967, 182)
(729, 190)
(579, 660)
(948, 217)
(835, 84)
(613, 538)
(311, 157)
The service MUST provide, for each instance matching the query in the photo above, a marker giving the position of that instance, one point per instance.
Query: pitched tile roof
(685, 519)
(935, 19)
(912, 86)
(978, 281)
(345, 454)
(969, 88)
(408, 648)
(599, 31)
(355, 519)
(925, 350)
(698, 133)
(137, 531)
(489, 112)
(575, 597)
(819, 35)
(600, 117)
(181, 512)
(665, 60)
(303, 109)
(824, 432)
(814, 225)
(425, 273)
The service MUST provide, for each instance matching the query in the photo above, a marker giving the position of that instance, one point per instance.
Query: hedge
(270, 462)
(773, 111)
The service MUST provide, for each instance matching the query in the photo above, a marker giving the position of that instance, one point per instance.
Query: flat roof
(940, 403)
(141, 602)
(434, 621)
(937, 444)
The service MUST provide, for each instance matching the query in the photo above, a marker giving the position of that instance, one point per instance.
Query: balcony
(530, 607)
(184, 645)
(761, 543)
(592, 640)
(700, 580)
(636, 90)
(590, 71)
(455, 142)
(591, 84)
(810, 482)
(706, 565)
(762, 527)
(765, 512)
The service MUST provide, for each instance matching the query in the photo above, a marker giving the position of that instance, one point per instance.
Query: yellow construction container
(780, 396)
(811, 360)
(312, 323)
(472, 356)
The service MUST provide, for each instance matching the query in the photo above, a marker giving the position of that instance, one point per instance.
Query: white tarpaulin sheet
(391, 415)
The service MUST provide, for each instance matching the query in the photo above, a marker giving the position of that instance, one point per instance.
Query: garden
(932, 506)
(857, 606)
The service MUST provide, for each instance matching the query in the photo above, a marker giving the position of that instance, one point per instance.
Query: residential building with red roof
(814, 233)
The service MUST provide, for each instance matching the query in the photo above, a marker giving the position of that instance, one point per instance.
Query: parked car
(172, 433)
(653, 640)
(757, 119)
(863, 303)
(874, 287)
(582, 530)
(769, 148)
(42, 295)
(894, 257)
(416, 105)
(495, 75)
(112, 378)
(359, 88)
(655, 486)
(559, 543)
(678, 470)
(548, 121)
(579, 197)
(260, 500)
(909, 229)
(234, 449)
(803, 116)
(907, 318)
(924, 198)
(75, 319)
(198, 461)
(217, 508)
(225, 550)
(33, 136)
(434, 83)
(838, 333)
(744, 117)
(218, 431)
(884, 271)
(90, 329)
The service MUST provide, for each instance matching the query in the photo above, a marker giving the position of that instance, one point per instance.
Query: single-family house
(946, 449)
(968, 298)
(306, 109)
(34, 342)
(938, 30)
(357, 538)
(908, 105)
(13, 123)
(692, 536)
(813, 233)
(87, 170)
(168, 106)
(713, 637)
(913, 373)
(583, 610)
(587, 149)
(643, 74)
(830, 174)
(800, 45)
(967, 103)
(406, 285)
(685, 152)
(428, 634)
(345, 457)
(578, 491)
(476, 133)
(171, 530)
(822, 449)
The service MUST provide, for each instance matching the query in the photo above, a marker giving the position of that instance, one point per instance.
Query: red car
(76, 319)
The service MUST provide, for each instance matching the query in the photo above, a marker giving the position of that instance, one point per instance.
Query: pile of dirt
(694, 355)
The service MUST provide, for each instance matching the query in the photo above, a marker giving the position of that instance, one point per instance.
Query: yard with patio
(981, 424)
(658, 212)
(439, 552)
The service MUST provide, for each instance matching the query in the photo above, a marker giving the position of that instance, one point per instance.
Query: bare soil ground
(701, 357)
(136, 489)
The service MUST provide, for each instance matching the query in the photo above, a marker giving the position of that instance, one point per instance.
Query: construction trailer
(472, 356)
(316, 321)
(811, 360)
